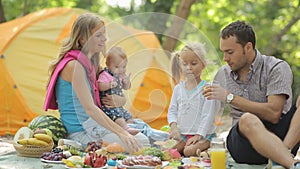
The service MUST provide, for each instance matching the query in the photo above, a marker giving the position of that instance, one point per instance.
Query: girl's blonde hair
(176, 69)
(81, 29)
(115, 51)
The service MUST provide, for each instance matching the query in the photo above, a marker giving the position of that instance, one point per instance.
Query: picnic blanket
(11, 160)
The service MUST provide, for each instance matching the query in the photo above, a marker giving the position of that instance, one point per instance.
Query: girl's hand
(131, 143)
(195, 139)
(175, 133)
(113, 100)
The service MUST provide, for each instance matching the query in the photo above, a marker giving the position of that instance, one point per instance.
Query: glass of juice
(218, 153)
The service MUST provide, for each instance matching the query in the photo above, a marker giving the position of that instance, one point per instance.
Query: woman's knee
(249, 123)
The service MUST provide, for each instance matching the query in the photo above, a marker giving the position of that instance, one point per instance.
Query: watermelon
(52, 123)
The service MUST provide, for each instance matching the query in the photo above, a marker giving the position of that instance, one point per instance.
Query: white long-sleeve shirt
(192, 112)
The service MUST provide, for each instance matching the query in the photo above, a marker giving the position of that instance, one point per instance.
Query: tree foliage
(276, 22)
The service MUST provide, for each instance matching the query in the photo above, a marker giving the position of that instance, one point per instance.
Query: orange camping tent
(29, 43)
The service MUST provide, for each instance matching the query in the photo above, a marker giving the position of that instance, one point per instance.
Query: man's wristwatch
(229, 98)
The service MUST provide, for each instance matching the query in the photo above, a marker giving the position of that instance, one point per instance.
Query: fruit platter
(100, 154)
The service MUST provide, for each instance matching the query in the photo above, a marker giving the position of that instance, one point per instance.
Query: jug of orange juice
(218, 153)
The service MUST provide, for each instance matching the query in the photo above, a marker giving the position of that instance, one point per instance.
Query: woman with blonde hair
(73, 90)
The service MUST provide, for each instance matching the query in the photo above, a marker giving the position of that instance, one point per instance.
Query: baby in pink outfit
(112, 80)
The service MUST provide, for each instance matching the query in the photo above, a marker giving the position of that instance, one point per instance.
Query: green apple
(165, 128)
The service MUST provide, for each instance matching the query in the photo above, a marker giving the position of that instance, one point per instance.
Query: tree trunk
(159, 25)
(24, 9)
(182, 13)
(2, 15)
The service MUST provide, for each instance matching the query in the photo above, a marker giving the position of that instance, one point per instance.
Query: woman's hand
(113, 100)
(129, 140)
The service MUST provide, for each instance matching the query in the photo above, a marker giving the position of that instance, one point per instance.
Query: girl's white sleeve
(173, 107)
(209, 111)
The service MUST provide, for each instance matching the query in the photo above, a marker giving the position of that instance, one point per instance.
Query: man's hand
(216, 92)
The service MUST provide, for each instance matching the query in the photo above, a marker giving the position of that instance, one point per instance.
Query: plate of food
(164, 163)
(87, 167)
(196, 161)
(79, 162)
(142, 162)
(50, 161)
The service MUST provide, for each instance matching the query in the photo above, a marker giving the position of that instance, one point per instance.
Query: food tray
(164, 163)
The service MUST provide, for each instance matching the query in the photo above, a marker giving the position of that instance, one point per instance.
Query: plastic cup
(210, 84)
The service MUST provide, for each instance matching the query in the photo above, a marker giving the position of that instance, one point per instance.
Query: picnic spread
(13, 161)
(36, 149)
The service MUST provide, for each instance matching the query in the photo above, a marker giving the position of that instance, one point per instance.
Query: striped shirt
(267, 76)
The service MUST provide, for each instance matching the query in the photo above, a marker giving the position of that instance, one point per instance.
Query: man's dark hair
(241, 30)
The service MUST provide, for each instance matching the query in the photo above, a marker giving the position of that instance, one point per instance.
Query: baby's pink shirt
(105, 77)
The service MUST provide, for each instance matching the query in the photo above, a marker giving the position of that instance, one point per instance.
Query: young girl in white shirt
(191, 116)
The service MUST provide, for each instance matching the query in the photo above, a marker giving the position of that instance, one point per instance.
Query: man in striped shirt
(258, 90)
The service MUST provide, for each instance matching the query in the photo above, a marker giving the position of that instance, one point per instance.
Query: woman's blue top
(72, 114)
